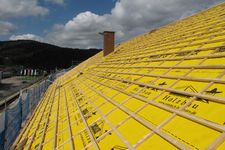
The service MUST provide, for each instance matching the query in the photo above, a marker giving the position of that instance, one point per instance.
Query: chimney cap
(109, 32)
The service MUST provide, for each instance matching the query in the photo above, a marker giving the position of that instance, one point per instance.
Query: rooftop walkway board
(164, 89)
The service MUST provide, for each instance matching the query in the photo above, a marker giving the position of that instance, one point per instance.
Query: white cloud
(6, 28)
(60, 2)
(81, 31)
(26, 37)
(12, 8)
(128, 18)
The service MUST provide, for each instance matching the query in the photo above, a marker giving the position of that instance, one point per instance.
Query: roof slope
(163, 89)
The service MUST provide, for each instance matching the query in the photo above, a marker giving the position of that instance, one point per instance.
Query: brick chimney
(109, 37)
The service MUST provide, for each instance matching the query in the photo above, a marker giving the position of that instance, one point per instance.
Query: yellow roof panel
(164, 89)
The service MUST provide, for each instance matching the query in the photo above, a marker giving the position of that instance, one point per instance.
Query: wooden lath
(167, 49)
(182, 35)
(215, 80)
(68, 121)
(140, 120)
(50, 101)
(212, 55)
(185, 115)
(85, 122)
(106, 120)
(24, 132)
(174, 42)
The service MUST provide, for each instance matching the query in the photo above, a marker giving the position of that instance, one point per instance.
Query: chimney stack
(109, 37)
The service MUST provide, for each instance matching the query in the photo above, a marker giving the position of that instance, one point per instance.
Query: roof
(163, 89)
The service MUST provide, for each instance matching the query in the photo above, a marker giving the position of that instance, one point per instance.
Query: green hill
(34, 54)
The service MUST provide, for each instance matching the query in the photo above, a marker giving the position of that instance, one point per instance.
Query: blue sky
(76, 23)
(59, 13)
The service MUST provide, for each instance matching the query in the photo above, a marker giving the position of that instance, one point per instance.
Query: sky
(77, 23)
